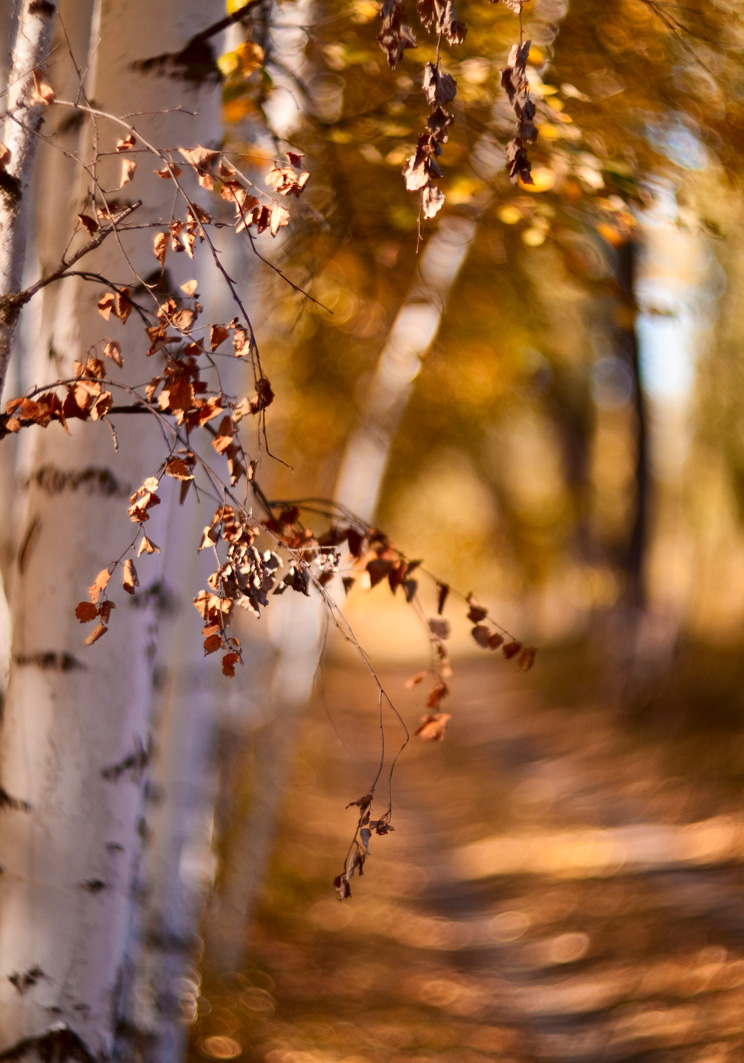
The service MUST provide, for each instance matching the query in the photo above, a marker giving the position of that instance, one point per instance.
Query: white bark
(76, 736)
(32, 39)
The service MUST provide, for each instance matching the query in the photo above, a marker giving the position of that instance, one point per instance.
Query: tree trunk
(76, 738)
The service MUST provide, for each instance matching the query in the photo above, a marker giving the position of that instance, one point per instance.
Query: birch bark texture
(76, 735)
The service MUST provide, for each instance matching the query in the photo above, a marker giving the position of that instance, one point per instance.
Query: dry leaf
(85, 612)
(129, 576)
(43, 92)
(98, 632)
(99, 585)
(128, 166)
(433, 726)
(127, 143)
(160, 247)
(90, 225)
(112, 350)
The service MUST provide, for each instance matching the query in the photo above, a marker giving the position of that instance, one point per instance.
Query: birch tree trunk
(77, 727)
(24, 118)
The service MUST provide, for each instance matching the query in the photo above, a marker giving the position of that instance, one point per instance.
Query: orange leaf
(99, 584)
(147, 546)
(212, 643)
(228, 664)
(85, 612)
(433, 726)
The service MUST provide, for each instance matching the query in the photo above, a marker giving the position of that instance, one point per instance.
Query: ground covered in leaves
(564, 885)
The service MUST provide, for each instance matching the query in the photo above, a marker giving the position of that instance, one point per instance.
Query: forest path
(556, 891)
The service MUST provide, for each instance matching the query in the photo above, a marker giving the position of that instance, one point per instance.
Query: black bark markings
(60, 1044)
(94, 479)
(135, 762)
(49, 661)
(24, 980)
(7, 801)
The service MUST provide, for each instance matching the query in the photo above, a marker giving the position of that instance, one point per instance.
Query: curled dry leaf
(129, 577)
(160, 247)
(43, 92)
(98, 632)
(127, 143)
(128, 167)
(86, 611)
(147, 546)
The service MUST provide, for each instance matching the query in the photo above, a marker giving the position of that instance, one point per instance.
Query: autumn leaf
(511, 649)
(147, 546)
(228, 664)
(85, 612)
(112, 350)
(160, 247)
(442, 594)
(98, 632)
(43, 92)
(127, 143)
(98, 586)
(178, 469)
(440, 627)
(433, 726)
(217, 335)
(129, 577)
(128, 166)
(90, 225)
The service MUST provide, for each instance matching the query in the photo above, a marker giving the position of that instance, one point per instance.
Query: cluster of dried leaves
(440, 89)
(439, 16)
(514, 80)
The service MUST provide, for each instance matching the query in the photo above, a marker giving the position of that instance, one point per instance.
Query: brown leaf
(482, 635)
(526, 659)
(129, 577)
(476, 612)
(217, 335)
(179, 469)
(511, 649)
(228, 664)
(127, 143)
(225, 434)
(106, 609)
(439, 627)
(433, 726)
(99, 585)
(442, 594)
(378, 570)
(90, 225)
(85, 612)
(439, 88)
(495, 641)
(98, 632)
(166, 174)
(43, 92)
(147, 546)
(212, 643)
(112, 350)
(106, 304)
(160, 247)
